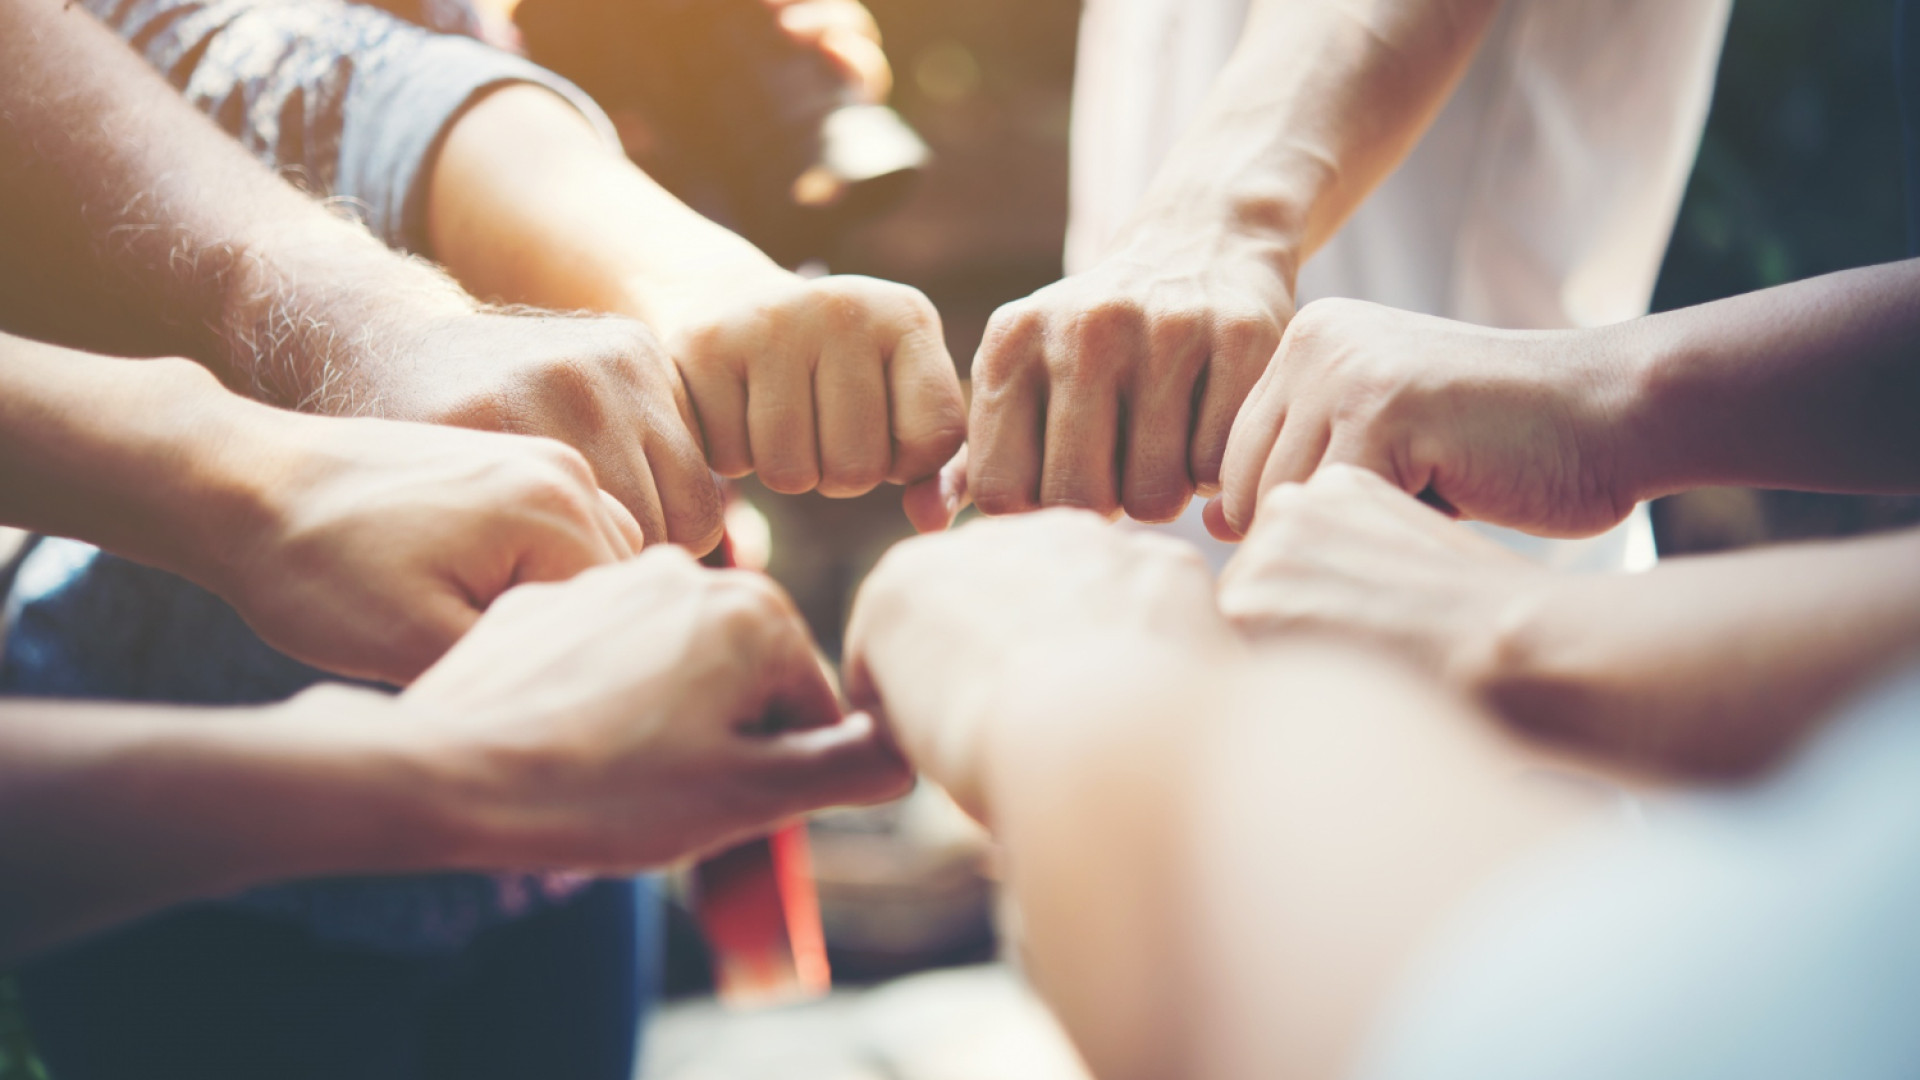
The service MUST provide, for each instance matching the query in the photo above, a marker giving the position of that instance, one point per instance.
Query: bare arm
(599, 725)
(114, 811)
(364, 547)
(1809, 386)
(127, 215)
(1321, 100)
(1714, 665)
(131, 222)
(1224, 858)
(837, 384)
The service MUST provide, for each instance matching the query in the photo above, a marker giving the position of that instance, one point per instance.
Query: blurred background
(1800, 174)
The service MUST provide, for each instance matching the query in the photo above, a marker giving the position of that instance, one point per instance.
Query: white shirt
(1542, 197)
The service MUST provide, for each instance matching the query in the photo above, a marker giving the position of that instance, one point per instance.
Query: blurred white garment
(1542, 197)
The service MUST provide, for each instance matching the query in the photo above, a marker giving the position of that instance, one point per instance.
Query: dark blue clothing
(213, 994)
(420, 978)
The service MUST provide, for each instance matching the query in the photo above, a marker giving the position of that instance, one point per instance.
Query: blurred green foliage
(17, 1060)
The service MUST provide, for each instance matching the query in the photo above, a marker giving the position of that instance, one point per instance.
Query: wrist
(1267, 230)
(1263, 264)
(312, 308)
(1657, 406)
(705, 280)
(385, 797)
(1521, 663)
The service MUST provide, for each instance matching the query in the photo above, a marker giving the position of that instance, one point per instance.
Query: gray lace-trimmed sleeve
(347, 100)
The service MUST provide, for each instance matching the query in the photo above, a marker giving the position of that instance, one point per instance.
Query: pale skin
(1715, 666)
(639, 714)
(1225, 855)
(1115, 390)
(1809, 386)
(134, 225)
(834, 385)
(363, 547)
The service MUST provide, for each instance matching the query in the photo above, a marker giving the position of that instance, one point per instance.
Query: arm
(1223, 858)
(132, 222)
(361, 546)
(596, 726)
(1715, 665)
(836, 384)
(1321, 100)
(1809, 386)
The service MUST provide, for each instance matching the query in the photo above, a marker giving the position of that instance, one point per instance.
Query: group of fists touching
(404, 467)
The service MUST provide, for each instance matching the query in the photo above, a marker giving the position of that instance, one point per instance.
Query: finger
(933, 503)
(627, 538)
(1215, 519)
(1239, 362)
(692, 508)
(719, 397)
(1006, 431)
(780, 426)
(1156, 482)
(852, 762)
(1081, 462)
(1249, 445)
(1297, 453)
(636, 490)
(850, 393)
(438, 622)
(559, 552)
(929, 411)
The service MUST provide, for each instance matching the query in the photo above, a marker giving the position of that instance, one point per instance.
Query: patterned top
(347, 100)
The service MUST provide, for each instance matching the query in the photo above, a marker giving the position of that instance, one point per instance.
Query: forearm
(1224, 864)
(107, 812)
(529, 204)
(1321, 100)
(1717, 664)
(132, 222)
(1809, 386)
(150, 459)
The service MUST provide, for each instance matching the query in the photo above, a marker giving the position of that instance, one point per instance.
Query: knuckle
(1010, 344)
(1098, 332)
(851, 479)
(1245, 338)
(1158, 502)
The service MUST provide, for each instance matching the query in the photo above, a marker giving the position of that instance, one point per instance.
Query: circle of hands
(538, 591)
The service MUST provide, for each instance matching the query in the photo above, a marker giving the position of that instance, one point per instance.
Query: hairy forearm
(132, 223)
(529, 205)
(1809, 386)
(1320, 102)
(1224, 863)
(107, 812)
(1715, 664)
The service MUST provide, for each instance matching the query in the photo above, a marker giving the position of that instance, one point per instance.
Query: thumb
(853, 762)
(435, 627)
(932, 504)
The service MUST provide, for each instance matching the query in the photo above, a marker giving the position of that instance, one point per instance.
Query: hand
(601, 384)
(1116, 388)
(649, 711)
(944, 620)
(1348, 554)
(373, 546)
(845, 31)
(834, 384)
(1512, 428)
